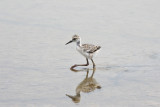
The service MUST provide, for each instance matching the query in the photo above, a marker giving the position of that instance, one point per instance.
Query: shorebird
(87, 50)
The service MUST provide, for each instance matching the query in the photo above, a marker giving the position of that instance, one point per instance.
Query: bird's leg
(81, 64)
(87, 62)
(93, 63)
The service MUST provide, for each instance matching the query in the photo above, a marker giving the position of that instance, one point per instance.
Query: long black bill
(69, 42)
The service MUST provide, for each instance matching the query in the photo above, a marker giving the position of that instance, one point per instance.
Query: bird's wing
(89, 48)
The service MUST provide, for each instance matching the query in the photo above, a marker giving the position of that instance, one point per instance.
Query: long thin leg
(93, 63)
(81, 64)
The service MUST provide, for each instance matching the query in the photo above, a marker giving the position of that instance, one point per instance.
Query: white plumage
(87, 50)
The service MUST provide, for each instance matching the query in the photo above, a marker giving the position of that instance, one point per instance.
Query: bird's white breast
(84, 53)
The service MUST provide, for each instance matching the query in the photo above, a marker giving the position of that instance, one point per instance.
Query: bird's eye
(74, 38)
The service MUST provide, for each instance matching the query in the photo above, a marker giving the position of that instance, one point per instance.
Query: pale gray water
(34, 61)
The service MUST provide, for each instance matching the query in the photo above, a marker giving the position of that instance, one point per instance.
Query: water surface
(35, 62)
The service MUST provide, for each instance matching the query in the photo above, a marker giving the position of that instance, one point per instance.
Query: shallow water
(35, 62)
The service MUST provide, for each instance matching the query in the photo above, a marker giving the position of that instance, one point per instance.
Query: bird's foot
(73, 66)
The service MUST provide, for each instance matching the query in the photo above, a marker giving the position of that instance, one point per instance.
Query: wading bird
(87, 50)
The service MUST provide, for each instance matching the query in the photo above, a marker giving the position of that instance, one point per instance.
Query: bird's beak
(69, 42)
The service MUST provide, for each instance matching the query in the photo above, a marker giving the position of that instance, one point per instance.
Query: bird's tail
(98, 47)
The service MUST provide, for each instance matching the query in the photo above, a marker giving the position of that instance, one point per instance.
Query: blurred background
(34, 61)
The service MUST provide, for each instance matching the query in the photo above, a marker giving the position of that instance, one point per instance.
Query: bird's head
(75, 38)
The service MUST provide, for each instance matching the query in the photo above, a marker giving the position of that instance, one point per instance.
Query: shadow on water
(89, 84)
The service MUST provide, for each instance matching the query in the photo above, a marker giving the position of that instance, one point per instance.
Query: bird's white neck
(78, 43)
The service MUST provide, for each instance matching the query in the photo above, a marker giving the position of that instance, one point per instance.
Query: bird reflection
(89, 84)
